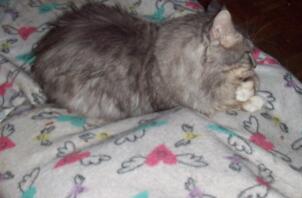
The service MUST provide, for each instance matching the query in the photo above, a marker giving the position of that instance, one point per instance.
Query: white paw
(30, 89)
(253, 104)
(245, 91)
(34, 94)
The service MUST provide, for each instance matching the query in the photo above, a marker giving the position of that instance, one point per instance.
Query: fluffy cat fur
(101, 62)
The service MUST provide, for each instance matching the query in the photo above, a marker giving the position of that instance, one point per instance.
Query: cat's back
(92, 53)
(100, 19)
(92, 38)
(96, 25)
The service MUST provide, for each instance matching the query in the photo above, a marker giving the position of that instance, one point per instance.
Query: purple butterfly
(14, 14)
(6, 176)
(194, 191)
(78, 187)
(291, 82)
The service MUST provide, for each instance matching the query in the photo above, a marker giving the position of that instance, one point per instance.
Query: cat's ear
(223, 29)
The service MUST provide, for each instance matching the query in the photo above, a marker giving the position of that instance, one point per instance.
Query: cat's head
(204, 60)
(227, 47)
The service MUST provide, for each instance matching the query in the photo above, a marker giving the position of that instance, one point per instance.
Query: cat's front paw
(31, 90)
(34, 95)
(253, 104)
(245, 94)
(37, 97)
(245, 91)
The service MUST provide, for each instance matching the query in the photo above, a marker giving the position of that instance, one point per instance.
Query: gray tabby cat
(103, 63)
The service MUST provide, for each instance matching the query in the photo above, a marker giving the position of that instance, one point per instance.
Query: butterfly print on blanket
(189, 135)
(68, 154)
(43, 137)
(235, 162)
(136, 133)
(269, 99)
(77, 121)
(26, 185)
(162, 155)
(264, 59)
(236, 142)
(261, 189)
(194, 190)
(47, 7)
(8, 10)
(7, 175)
(297, 144)
(291, 82)
(258, 138)
(276, 121)
(78, 187)
(9, 96)
(190, 5)
(5, 142)
(24, 32)
(6, 46)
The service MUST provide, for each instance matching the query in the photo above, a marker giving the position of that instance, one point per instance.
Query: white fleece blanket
(47, 152)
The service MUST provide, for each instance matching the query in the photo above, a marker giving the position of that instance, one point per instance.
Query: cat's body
(103, 63)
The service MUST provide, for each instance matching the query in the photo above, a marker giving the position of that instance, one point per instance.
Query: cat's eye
(245, 79)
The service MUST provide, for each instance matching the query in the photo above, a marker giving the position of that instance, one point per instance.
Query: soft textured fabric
(47, 152)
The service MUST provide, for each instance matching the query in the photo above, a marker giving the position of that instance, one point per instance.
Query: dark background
(275, 26)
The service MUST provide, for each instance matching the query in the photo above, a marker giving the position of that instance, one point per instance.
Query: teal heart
(27, 58)
(144, 194)
(77, 121)
(158, 16)
(48, 7)
(154, 123)
(30, 192)
(4, 2)
(221, 129)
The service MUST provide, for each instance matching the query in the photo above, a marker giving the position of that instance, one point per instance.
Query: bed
(48, 152)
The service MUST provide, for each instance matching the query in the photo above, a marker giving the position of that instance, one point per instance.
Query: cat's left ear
(223, 30)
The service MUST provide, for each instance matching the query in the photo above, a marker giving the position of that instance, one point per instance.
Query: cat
(101, 62)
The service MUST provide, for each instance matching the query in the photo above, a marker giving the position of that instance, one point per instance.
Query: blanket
(49, 152)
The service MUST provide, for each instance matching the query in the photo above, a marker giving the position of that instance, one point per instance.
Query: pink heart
(72, 158)
(4, 87)
(161, 153)
(25, 32)
(6, 143)
(262, 58)
(262, 182)
(193, 5)
(260, 140)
